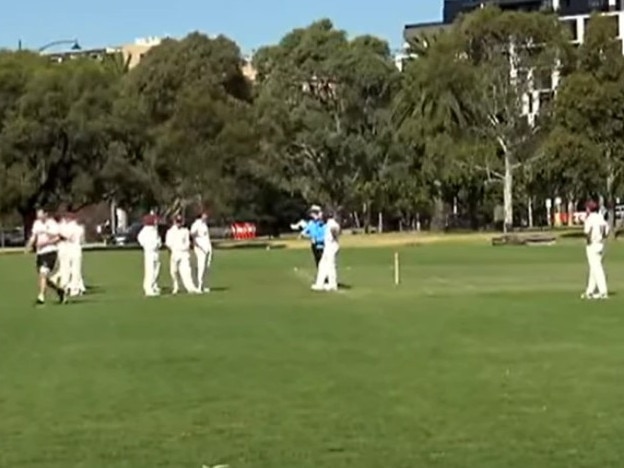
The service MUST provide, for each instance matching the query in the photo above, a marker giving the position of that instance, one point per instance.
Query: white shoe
(174, 292)
(587, 296)
(205, 290)
(316, 287)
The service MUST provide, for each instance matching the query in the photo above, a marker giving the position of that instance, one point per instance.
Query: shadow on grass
(573, 235)
(94, 289)
(249, 245)
(346, 287)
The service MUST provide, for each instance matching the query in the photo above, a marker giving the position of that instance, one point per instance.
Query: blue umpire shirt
(315, 230)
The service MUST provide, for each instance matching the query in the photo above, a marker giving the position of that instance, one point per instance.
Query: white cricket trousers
(180, 265)
(204, 258)
(327, 270)
(597, 280)
(151, 269)
(63, 275)
(76, 285)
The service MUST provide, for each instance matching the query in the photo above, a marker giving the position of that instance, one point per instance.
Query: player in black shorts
(44, 239)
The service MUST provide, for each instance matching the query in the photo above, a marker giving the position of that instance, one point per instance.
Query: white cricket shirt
(331, 239)
(44, 231)
(201, 234)
(596, 228)
(149, 239)
(178, 239)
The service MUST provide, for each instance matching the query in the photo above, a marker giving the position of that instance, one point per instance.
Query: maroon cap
(149, 220)
(591, 206)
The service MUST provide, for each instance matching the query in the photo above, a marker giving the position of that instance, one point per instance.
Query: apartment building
(574, 13)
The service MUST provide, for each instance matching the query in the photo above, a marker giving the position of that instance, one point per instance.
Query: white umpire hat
(315, 209)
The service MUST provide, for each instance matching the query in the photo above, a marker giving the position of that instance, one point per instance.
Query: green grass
(482, 357)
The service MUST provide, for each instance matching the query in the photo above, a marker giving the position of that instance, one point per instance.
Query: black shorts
(47, 261)
(317, 251)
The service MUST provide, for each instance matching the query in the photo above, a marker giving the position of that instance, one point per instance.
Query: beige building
(133, 54)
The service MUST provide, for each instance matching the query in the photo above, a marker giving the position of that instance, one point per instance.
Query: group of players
(58, 245)
(179, 240)
(323, 230)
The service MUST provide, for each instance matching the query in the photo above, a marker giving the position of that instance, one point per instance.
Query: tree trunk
(367, 217)
(610, 200)
(571, 205)
(530, 212)
(28, 218)
(380, 222)
(508, 195)
(356, 218)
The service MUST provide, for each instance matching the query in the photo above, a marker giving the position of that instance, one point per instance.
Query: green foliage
(328, 120)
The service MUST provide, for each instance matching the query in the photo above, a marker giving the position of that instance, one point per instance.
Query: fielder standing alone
(596, 232)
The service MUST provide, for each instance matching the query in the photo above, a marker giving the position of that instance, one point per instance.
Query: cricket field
(482, 357)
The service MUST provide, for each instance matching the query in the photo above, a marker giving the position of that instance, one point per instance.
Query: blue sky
(251, 23)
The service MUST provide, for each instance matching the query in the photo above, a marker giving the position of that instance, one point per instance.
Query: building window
(543, 79)
(572, 26)
(545, 99)
(614, 25)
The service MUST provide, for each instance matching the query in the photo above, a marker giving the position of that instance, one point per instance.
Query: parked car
(129, 236)
(12, 237)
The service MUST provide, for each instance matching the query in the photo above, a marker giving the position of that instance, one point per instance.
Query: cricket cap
(315, 209)
(591, 206)
(150, 220)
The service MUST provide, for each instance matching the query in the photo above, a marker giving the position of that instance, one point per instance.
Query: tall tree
(513, 54)
(56, 136)
(323, 110)
(589, 117)
(190, 105)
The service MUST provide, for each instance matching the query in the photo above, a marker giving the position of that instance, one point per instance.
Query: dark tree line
(328, 120)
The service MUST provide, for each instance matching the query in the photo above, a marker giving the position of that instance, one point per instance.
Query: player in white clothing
(202, 247)
(327, 275)
(596, 232)
(63, 274)
(44, 238)
(149, 240)
(178, 241)
(77, 286)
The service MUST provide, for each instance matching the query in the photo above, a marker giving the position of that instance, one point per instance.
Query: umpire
(315, 231)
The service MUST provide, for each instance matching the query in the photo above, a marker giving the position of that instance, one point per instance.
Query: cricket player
(149, 240)
(178, 241)
(202, 246)
(596, 232)
(44, 239)
(327, 276)
(76, 239)
(63, 275)
(315, 231)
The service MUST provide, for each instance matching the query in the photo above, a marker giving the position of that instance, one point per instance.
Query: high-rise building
(576, 13)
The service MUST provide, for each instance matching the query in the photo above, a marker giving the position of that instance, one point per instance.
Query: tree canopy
(470, 132)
